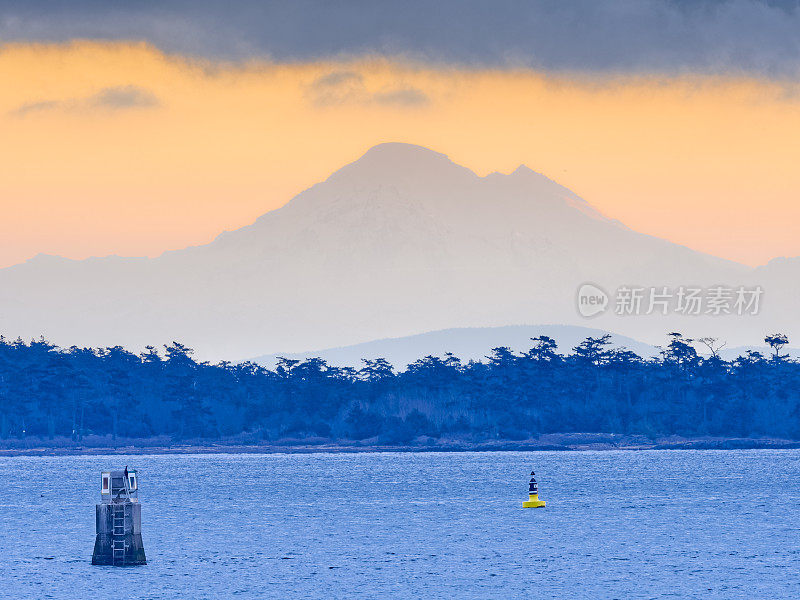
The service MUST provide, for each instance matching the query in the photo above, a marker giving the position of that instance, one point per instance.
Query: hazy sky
(173, 121)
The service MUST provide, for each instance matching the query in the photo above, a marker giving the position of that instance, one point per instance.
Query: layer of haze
(115, 148)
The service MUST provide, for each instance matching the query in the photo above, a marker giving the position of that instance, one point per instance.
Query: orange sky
(119, 149)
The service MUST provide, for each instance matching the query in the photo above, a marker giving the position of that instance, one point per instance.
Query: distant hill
(399, 242)
(472, 343)
(733, 353)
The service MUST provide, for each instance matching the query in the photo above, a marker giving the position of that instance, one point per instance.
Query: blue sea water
(646, 524)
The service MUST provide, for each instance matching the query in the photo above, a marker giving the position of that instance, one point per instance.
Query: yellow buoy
(533, 502)
(533, 494)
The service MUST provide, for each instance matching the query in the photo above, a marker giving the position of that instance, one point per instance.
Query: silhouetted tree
(777, 341)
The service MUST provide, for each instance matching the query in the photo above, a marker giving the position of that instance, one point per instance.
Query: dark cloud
(338, 79)
(348, 87)
(111, 98)
(34, 107)
(401, 97)
(339, 87)
(751, 36)
(128, 96)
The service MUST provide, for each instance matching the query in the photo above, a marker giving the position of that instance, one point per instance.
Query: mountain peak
(391, 160)
(524, 170)
(402, 150)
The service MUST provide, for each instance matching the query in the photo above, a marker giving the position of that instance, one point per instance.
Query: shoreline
(545, 443)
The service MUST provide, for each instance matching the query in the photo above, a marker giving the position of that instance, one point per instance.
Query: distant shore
(546, 442)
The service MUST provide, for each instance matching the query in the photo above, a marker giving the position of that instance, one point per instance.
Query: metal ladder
(118, 534)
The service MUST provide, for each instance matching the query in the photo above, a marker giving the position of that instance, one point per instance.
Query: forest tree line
(47, 391)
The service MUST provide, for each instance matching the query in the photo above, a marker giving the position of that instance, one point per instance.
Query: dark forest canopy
(48, 391)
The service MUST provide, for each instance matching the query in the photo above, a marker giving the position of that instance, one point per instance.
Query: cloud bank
(109, 98)
(617, 36)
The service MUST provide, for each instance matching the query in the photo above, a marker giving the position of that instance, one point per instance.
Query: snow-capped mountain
(401, 241)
